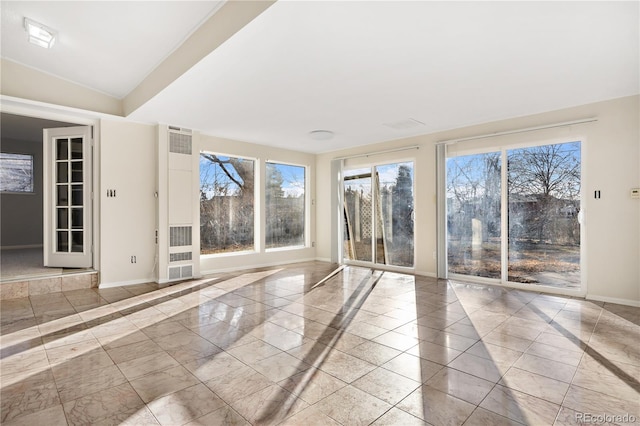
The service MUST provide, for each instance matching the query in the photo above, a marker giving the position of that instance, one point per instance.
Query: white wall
(222, 262)
(128, 161)
(127, 221)
(612, 165)
(21, 223)
(25, 82)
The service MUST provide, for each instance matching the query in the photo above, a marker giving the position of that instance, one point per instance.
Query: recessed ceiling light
(39, 34)
(321, 135)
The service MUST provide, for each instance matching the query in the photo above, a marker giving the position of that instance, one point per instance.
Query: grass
(529, 262)
(228, 249)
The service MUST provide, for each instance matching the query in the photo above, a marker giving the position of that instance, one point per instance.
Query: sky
(294, 179)
(294, 176)
(474, 165)
(386, 172)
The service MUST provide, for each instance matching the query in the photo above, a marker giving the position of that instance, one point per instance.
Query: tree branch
(215, 159)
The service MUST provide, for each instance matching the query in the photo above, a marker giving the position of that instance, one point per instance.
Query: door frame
(45, 111)
(371, 165)
(503, 148)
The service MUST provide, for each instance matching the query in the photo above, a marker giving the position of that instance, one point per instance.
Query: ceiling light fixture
(39, 34)
(321, 135)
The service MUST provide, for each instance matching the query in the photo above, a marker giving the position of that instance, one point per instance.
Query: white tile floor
(272, 347)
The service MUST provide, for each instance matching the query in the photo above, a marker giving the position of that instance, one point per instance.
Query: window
(16, 172)
(285, 203)
(226, 204)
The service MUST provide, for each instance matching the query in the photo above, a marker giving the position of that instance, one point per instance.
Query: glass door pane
(69, 183)
(394, 197)
(358, 215)
(544, 203)
(378, 215)
(473, 214)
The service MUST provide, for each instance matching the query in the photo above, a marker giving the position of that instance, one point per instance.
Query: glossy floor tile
(271, 346)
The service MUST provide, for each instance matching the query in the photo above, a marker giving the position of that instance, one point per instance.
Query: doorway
(22, 244)
(378, 219)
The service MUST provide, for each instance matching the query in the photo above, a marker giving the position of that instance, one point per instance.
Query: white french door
(67, 197)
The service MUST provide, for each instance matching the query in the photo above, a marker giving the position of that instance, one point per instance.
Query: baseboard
(26, 246)
(426, 274)
(617, 301)
(167, 281)
(204, 273)
(126, 283)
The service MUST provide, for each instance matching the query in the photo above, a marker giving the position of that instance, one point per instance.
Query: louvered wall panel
(179, 143)
(186, 271)
(178, 206)
(174, 273)
(179, 257)
(179, 236)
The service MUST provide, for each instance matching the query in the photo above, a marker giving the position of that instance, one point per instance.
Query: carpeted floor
(24, 263)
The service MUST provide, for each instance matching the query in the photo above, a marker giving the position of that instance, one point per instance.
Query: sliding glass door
(514, 214)
(544, 204)
(378, 215)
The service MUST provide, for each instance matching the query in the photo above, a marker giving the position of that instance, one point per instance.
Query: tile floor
(273, 346)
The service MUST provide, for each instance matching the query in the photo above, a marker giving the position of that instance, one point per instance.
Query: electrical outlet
(134, 259)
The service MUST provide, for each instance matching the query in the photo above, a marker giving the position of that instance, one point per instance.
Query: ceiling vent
(409, 123)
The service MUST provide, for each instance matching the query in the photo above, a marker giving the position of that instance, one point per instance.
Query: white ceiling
(351, 67)
(26, 129)
(109, 46)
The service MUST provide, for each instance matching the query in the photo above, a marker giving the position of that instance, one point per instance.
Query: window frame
(520, 142)
(306, 204)
(256, 192)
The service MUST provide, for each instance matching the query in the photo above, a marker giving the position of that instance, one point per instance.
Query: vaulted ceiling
(369, 71)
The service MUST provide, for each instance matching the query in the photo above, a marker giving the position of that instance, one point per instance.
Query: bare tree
(550, 170)
(543, 182)
(226, 203)
(243, 176)
(473, 185)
